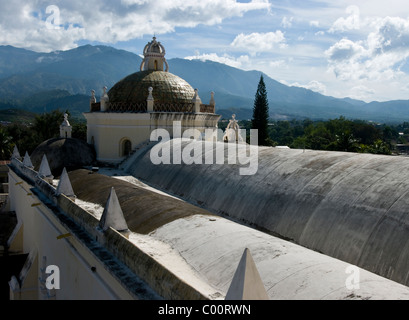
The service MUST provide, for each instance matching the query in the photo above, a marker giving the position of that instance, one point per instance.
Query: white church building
(149, 99)
(308, 225)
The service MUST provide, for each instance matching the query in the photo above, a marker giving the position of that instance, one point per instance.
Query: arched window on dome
(156, 65)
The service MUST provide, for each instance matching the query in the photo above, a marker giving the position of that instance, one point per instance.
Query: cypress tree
(260, 112)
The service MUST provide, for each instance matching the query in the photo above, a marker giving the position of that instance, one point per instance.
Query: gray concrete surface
(195, 255)
(353, 207)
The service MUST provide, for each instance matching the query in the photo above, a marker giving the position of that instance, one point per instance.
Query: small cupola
(154, 57)
(65, 128)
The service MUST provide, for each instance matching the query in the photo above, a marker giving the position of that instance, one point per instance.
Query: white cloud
(392, 34)
(239, 62)
(313, 85)
(345, 50)
(377, 58)
(24, 23)
(277, 64)
(259, 42)
(315, 23)
(287, 22)
(352, 22)
(361, 92)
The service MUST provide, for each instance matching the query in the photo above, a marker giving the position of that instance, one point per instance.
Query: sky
(343, 48)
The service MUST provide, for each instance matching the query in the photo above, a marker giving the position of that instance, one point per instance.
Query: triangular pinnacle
(113, 215)
(45, 171)
(64, 185)
(196, 97)
(27, 161)
(246, 283)
(16, 153)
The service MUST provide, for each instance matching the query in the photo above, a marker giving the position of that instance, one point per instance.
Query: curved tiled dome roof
(167, 88)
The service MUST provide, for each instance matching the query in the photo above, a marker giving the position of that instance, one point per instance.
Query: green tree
(318, 137)
(345, 141)
(299, 143)
(47, 125)
(260, 113)
(6, 145)
(379, 147)
(79, 130)
(44, 127)
(23, 136)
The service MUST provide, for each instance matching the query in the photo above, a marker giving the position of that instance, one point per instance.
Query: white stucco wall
(108, 130)
(73, 258)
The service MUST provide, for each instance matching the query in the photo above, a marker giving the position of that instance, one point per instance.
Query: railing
(127, 107)
(170, 107)
(207, 108)
(157, 107)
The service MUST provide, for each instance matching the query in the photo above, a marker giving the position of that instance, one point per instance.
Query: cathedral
(104, 220)
(146, 100)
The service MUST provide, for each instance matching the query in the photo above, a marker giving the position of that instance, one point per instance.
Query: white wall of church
(108, 131)
(81, 274)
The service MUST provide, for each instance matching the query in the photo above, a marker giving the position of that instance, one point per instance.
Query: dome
(167, 88)
(64, 152)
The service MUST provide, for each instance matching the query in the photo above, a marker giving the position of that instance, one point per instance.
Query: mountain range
(40, 82)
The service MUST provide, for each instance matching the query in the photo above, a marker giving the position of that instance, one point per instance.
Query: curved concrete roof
(213, 248)
(353, 207)
(144, 210)
(204, 250)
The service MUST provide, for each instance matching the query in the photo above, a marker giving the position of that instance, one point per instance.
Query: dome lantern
(154, 57)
